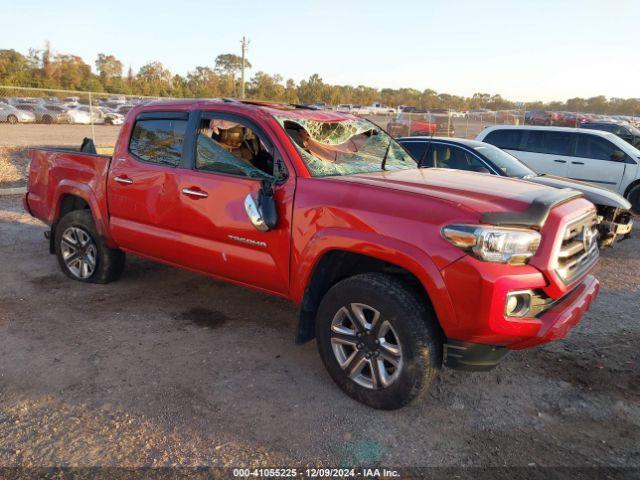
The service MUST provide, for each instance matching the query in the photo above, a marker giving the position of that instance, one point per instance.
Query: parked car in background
(117, 99)
(541, 117)
(582, 154)
(614, 211)
(570, 119)
(344, 107)
(71, 102)
(628, 133)
(10, 114)
(378, 108)
(111, 117)
(45, 113)
(85, 115)
(23, 100)
(78, 116)
(409, 124)
(123, 109)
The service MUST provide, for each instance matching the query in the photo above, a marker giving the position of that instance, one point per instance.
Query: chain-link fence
(71, 115)
(468, 124)
(31, 117)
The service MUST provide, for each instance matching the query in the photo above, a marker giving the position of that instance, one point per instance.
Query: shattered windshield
(344, 147)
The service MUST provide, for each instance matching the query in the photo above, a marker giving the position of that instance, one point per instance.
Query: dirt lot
(167, 368)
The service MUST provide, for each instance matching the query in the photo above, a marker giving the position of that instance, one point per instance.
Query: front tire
(379, 341)
(82, 254)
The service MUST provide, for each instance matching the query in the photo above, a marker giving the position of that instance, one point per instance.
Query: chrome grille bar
(579, 248)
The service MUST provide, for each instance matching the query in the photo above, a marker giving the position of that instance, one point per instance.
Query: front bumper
(478, 292)
(554, 324)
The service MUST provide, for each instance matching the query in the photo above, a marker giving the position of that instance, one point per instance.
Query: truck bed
(55, 173)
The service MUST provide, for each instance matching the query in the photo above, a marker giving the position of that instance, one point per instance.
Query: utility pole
(244, 43)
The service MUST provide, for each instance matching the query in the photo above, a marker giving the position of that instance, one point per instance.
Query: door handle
(124, 180)
(560, 161)
(191, 192)
(578, 163)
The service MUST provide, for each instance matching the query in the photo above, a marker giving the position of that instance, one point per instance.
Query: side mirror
(617, 156)
(262, 210)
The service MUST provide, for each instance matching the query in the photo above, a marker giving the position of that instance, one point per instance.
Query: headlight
(494, 244)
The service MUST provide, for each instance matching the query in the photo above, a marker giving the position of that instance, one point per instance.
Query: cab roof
(271, 108)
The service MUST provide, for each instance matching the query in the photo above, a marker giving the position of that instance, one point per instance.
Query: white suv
(589, 155)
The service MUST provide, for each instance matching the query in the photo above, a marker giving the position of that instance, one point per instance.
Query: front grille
(579, 248)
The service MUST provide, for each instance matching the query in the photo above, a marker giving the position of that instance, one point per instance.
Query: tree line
(44, 68)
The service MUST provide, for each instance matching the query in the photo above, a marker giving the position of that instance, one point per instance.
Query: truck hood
(478, 191)
(593, 193)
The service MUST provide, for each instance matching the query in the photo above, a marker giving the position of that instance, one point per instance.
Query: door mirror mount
(262, 210)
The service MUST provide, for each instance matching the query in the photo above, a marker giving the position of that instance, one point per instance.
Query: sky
(523, 50)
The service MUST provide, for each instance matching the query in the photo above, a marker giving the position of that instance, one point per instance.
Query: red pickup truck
(396, 269)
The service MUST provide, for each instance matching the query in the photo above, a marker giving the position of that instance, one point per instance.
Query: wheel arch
(337, 263)
(633, 184)
(70, 196)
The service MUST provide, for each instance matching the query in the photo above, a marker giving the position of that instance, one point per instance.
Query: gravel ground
(166, 367)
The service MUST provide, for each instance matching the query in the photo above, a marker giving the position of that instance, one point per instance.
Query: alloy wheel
(79, 252)
(366, 346)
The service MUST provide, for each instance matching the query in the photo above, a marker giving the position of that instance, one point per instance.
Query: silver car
(10, 114)
(45, 113)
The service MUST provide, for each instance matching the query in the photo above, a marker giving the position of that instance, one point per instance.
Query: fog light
(517, 304)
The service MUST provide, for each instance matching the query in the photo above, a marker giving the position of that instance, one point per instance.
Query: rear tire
(47, 119)
(634, 198)
(82, 254)
(379, 341)
(12, 119)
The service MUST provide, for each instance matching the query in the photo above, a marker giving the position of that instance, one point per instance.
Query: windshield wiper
(384, 159)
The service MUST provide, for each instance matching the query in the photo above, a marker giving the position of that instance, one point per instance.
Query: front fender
(390, 250)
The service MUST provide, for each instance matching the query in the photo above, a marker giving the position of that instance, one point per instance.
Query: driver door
(215, 232)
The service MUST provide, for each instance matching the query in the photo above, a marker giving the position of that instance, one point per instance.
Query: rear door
(143, 192)
(593, 162)
(547, 151)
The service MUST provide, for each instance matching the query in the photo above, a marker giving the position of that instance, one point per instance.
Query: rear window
(507, 139)
(158, 140)
(552, 143)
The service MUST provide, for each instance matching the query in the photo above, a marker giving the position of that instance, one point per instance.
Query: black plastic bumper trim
(472, 357)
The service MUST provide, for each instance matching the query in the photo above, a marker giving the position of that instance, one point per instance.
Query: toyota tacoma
(396, 270)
